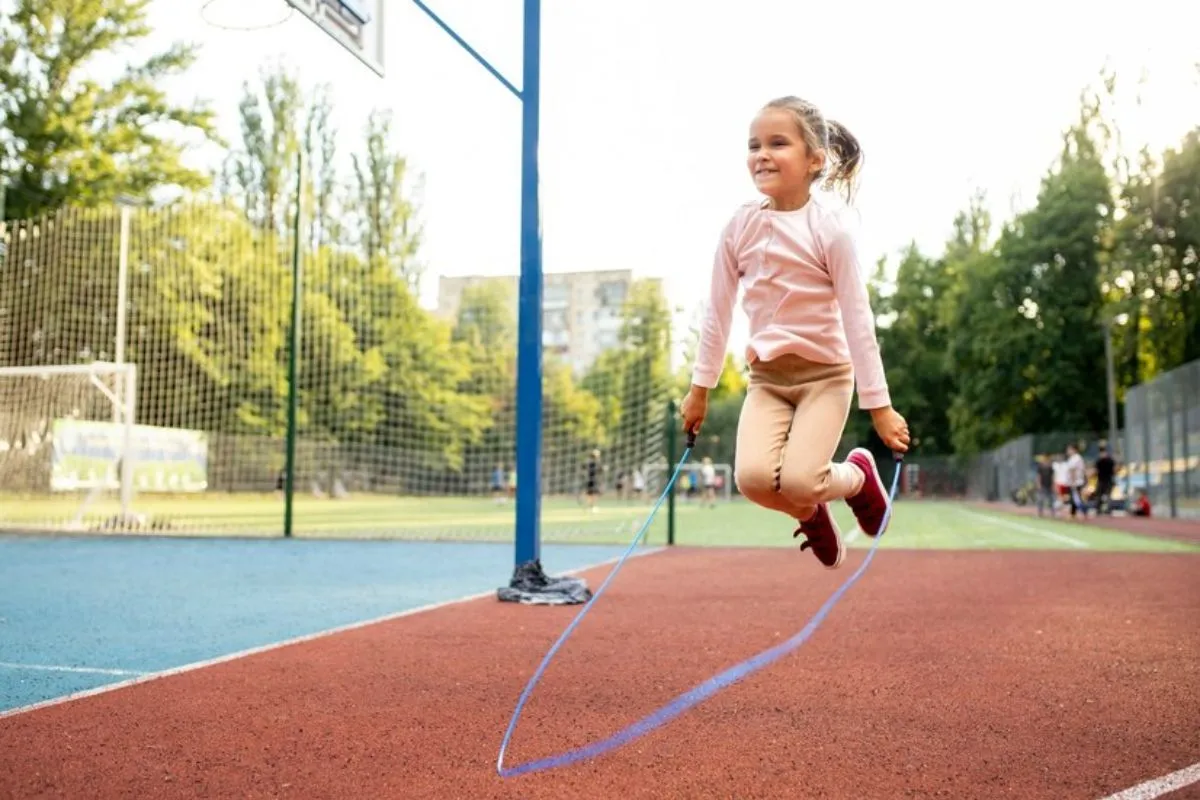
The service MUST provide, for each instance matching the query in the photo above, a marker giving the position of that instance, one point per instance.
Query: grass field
(925, 525)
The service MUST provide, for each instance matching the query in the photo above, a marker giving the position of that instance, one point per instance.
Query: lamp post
(1108, 322)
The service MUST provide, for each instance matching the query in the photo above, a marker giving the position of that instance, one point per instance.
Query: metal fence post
(1187, 394)
(1168, 382)
(1147, 396)
(293, 357)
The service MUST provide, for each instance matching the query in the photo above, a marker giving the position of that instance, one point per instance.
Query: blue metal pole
(529, 325)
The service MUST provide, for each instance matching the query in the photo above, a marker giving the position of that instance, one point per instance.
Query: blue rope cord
(690, 698)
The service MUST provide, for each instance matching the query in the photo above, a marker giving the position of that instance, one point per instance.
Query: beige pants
(791, 423)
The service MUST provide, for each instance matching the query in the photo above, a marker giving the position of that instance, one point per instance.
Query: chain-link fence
(1009, 472)
(998, 474)
(1162, 441)
(394, 420)
(1158, 451)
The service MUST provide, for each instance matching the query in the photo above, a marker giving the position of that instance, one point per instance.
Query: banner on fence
(87, 454)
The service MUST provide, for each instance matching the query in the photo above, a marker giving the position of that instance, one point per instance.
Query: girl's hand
(891, 427)
(694, 408)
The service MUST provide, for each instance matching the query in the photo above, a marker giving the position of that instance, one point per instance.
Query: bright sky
(646, 105)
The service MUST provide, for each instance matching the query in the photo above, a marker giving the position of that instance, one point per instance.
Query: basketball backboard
(355, 24)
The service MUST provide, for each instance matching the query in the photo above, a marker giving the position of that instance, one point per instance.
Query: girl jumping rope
(812, 333)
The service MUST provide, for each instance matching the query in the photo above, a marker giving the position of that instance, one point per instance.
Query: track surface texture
(940, 674)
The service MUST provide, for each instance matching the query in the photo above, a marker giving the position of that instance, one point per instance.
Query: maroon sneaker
(821, 535)
(870, 505)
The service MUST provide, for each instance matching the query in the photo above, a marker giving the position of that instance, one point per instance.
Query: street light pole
(1112, 388)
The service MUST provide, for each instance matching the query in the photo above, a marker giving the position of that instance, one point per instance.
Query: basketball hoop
(356, 25)
(240, 15)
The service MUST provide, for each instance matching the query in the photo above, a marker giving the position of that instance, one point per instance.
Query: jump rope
(698, 693)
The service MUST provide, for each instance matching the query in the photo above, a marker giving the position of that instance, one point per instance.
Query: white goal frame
(124, 404)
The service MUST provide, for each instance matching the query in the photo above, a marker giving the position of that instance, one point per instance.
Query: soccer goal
(67, 445)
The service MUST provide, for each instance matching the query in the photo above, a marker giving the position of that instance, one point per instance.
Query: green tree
(281, 122)
(645, 343)
(985, 356)
(486, 327)
(914, 348)
(320, 152)
(70, 139)
(385, 209)
(1153, 275)
(858, 430)
(336, 372)
(486, 323)
(571, 427)
(262, 172)
(1027, 346)
(718, 439)
(632, 380)
(1177, 196)
(59, 307)
(572, 416)
(208, 321)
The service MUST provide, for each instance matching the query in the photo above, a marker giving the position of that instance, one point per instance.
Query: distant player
(1076, 480)
(498, 487)
(1061, 481)
(639, 484)
(1140, 507)
(591, 491)
(708, 478)
(1045, 485)
(1105, 471)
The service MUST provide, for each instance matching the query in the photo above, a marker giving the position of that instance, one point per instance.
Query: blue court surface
(78, 613)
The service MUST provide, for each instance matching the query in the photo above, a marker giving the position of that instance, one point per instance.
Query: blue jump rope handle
(695, 695)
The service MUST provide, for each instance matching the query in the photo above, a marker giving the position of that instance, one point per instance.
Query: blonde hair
(843, 155)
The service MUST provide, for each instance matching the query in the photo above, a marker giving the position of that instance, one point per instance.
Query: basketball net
(246, 15)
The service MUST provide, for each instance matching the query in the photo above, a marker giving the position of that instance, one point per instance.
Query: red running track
(940, 674)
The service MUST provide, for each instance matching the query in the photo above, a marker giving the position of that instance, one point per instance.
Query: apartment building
(581, 311)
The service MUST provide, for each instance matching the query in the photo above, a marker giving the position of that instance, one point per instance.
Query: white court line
(1018, 526)
(62, 668)
(1157, 787)
(212, 662)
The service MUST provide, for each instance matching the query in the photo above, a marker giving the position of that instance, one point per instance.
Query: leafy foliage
(998, 335)
(66, 138)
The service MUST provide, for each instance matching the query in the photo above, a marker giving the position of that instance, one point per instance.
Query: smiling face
(781, 164)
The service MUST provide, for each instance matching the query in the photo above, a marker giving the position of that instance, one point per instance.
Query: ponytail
(847, 158)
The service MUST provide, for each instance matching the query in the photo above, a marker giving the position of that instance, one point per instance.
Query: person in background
(1105, 470)
(1045, 485)
(1076, 480)
(639, 483)
(708, 474)
(498, 493)
(1062, 494)
(592, 489)
(1141, 505)
(621, 485)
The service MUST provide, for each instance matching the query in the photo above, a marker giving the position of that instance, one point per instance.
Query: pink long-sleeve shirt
(804, 295)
